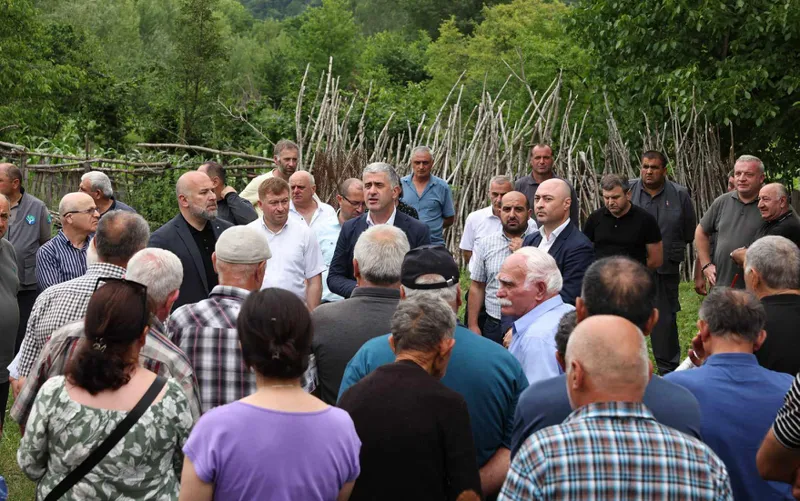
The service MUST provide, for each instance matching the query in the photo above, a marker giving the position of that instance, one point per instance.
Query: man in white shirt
(296, 263)
(303, 204)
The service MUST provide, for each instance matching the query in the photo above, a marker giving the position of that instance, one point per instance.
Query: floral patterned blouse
(144, 465)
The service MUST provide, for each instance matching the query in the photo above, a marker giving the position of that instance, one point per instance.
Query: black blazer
(174, 236)
(341, 279)
(574, 253)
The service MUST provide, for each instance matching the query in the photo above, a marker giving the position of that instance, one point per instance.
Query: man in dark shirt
(611, 286)
(671, 205)
(416, 441)
(622, 229)
(541, 171)
(772, 273)
(230, 206)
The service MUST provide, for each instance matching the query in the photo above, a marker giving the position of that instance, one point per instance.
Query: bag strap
(110, 441)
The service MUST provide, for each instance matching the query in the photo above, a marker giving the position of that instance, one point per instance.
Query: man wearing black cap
(488, 377)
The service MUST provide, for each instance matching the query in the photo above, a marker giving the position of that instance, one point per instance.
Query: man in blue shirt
(428, 194)
(530, 284)
(612, 286)
(738, 398)
(482, 371)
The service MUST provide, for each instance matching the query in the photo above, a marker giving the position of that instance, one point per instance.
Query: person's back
(780, 351)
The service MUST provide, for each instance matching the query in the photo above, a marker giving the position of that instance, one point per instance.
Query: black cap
(429, 260)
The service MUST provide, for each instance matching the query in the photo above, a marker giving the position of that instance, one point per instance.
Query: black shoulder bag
(111, 440)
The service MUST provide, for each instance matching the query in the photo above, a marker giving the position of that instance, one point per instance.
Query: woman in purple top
(279, 443)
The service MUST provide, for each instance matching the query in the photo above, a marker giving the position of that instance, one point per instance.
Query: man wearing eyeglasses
(64, 256)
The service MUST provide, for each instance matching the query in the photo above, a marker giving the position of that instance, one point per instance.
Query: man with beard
(192, 235)
(488, 257)
(570, 248)
(671, 205)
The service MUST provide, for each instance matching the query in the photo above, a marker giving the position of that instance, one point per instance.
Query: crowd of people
(266, 345)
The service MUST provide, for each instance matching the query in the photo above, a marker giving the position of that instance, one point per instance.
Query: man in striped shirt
(611, 446)
(64, 256)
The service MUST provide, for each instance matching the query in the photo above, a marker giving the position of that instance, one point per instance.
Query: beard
(207, 214)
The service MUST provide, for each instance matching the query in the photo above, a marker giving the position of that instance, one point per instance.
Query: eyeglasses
(354, 204)
(90, 210)
(139, 289)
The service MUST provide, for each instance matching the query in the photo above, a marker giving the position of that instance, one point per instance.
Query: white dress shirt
(546, 243)
(390, 222)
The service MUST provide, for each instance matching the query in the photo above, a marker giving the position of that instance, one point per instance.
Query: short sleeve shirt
(734, 224)
(435, 204)
(628, 235)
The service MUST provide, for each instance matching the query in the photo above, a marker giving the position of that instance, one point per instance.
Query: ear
(651, 322)
(171, 298)
(459, 301)
(762, 336)
(446, 347)
(402, 292)
(530, 213)
(561, 362)
(650, 371)
(396, 192)
(356, 270)
(339, 200)
(568, 202)
(258, 204)
(703, 331)
(214, 261)
(392, 345)
(575, 376)
(580, 309)
(628, 195)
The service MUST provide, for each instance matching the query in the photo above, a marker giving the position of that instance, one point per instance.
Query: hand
(697, 353)
(226, 190)
(515, 244)
(738, 255)
(507, 338)
(711, 275)
(796, 485)
(700, 285)
(16, 386)
(476, 329)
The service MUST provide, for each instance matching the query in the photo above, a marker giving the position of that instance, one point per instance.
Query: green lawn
(21, 489)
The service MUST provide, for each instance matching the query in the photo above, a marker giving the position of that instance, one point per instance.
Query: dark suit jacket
(341, 279)
(174, 236)
(573, 253)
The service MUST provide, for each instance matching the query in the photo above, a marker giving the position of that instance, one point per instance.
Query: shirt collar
(390, 222)
(723, 359)
(555, 232)
(230, 291)
(62, 238)
(104, 270)
(377, 292)
(735, 196)
(618, 410)
(264, 225)
(525, 321)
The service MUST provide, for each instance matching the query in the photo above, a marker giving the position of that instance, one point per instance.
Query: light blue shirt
(435, 204)
(327, 231)
(533, 342)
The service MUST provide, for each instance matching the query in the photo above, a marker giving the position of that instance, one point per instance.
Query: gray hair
(382, 167)
(733, 312)
(500, 180)
(8, 200)
(749, 159)
(777, 261)
(447, 294)
(541, 267)
(99, 181)
(420, 324)
(159, 269)
(120, 235)
(422, 149)
(379, 252)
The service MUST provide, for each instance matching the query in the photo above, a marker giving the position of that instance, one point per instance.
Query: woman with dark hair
(280, 443)
(103, 389)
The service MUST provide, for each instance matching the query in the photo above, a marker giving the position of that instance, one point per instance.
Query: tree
(329, 31)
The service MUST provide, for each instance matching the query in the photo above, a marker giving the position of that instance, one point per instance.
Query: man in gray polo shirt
(28, 229)
(734, 219)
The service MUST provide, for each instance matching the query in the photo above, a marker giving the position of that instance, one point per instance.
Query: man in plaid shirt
(611, 447)
(206, 331)
(162, 272)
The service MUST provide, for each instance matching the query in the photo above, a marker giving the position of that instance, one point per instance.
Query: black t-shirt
(624, 236)
(206, 241)
(416, 440)
(787, 226)
(781, 350)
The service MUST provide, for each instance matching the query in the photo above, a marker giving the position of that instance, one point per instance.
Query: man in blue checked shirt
(611, 446)
(428, 194)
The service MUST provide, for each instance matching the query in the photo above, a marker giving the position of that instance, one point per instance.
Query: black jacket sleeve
(242, 211)
(340, 275)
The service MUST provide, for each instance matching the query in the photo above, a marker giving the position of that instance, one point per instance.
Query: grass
(22, 489)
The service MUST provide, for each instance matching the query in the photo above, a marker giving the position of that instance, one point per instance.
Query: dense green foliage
(115, 72)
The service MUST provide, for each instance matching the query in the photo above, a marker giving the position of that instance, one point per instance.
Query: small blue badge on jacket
(30, 218)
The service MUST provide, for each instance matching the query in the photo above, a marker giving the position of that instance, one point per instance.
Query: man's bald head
(5, 214)
(303, 187)
(196, 197)
(773, 201)
(72, 202)
(190, 181)
(607, 360)
(552, 202)
(10, 179)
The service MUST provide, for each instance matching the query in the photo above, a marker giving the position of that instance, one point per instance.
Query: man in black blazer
(381, 191)
(570, 248)
(192, 235)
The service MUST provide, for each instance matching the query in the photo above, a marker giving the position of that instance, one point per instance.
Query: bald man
(304, 203)
(612, 433)
(64, 257)
(779, 218)
(192, 235)
(570, 248)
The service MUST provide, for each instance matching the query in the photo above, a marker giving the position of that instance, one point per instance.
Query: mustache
(505, 302)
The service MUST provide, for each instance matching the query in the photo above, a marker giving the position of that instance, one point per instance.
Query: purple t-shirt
(249, 452)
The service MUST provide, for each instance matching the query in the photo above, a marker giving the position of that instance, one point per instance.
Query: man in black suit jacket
(570, 248)
(192, 235)
(381, 191)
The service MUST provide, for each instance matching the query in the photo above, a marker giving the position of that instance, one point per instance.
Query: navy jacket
(574, 253)
(174, 236)
(341, 279)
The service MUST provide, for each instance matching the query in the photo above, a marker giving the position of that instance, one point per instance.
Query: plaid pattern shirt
(488, 255)
(206, 332)
(615, 451)
(158, 355)
(57, 306)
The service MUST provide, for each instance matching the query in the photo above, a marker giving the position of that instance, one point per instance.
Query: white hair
(158, 269)
(541, 267)
(749, 159)
(448, 294)
(99, 181)
(384, 168)
(379, 252)
(421, 149)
